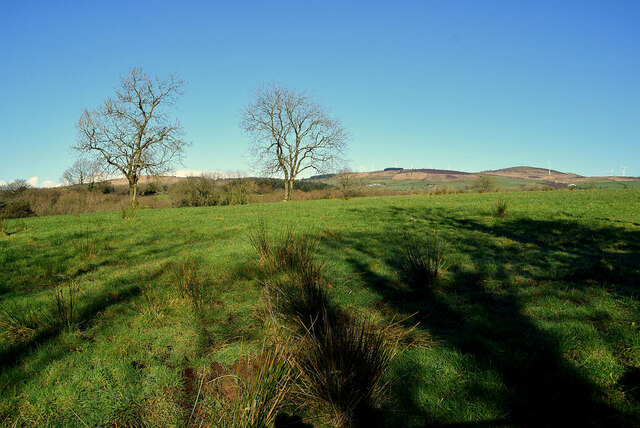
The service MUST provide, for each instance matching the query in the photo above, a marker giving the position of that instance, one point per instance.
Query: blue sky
(468, 85)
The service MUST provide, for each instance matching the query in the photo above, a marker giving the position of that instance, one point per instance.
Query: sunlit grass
(538, 306)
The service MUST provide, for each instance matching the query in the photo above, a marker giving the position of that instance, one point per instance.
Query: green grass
(535, 321)
(609, 184)
(506, 183)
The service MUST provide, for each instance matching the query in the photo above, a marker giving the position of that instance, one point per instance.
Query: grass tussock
(18, 323)
(154, 303)
(87, 246)
(287, 252)
(261, 240)
(66, 306)
(265, 392)
(342, 368)
(423, 263)
(500, 209)
(128, 212)
(188, 280)
(250, 393)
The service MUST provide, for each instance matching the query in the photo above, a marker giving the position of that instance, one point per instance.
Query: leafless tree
(291, 132)
(83, 171)
(348, 182)
(132, 133)
(15, 187)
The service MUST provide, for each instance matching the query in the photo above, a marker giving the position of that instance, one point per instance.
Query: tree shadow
(489, 323)
(12, 355)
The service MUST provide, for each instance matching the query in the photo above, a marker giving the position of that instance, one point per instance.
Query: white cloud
(49, 183)
(3, 183)
(33, 181)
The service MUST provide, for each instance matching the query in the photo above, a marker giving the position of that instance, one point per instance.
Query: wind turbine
(549, 166)
(610, 172)
(624, 168)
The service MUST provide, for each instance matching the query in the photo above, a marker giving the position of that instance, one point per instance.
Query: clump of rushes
(423, 263)
(261, 392)
(66, 306)
(87, 247)
(261, 241)
(18, 323)
(341, 368)
(500, 208)
(288, 251)
(187, 278)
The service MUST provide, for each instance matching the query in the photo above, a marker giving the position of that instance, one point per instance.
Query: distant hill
(532, 173)
(517, 175)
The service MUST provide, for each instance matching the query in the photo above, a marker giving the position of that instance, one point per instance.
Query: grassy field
(503, 183)
(534, 323)
(507, 183)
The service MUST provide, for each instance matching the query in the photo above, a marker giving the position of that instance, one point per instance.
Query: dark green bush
(150, 189)
(16, 209)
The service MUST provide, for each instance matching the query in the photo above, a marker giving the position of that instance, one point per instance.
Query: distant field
(609, 184)
(506, 183)
(529, 179)
(534, 323)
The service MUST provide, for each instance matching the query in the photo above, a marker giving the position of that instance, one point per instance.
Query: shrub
(105, 188)
(150, 189)
(16, 209)
(14, 188)
(194, 192)
(423, 264)
(483, 184)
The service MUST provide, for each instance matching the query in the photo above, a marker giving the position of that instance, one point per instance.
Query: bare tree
(83, 171)
(132, 133)
(15, 187)
(291, 132)
(348, 183)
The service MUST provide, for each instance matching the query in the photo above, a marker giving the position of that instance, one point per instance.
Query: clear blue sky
(469, 85)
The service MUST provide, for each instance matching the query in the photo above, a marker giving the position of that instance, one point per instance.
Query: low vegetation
(383, 311)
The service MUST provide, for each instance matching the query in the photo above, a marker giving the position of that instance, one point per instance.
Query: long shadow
(12, 355)
(609, 256)
(490, 325)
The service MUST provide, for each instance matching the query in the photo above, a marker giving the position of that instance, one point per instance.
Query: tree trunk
(287, 190)
(133, 192)
(290, 188)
